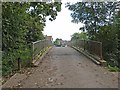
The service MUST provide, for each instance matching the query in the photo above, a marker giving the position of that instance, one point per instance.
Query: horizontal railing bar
(39, 46)
(38, 41)
(93, 47)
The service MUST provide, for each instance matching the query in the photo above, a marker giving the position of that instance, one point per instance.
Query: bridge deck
(64, 67)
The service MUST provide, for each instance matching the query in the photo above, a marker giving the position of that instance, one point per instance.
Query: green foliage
(58, 42)
(102, 23)
(113, 69)
(108, 36)
(22, 24)
(82, 36)
(92, 14)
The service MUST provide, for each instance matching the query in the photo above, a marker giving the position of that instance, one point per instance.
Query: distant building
(49, 38)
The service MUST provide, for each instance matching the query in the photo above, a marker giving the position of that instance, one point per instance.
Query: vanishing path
(64, 67)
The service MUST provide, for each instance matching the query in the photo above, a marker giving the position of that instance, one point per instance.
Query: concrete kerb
(35, 63)
(95, 60)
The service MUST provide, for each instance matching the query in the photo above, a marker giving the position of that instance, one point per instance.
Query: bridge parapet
(39, 47)
(90, 47)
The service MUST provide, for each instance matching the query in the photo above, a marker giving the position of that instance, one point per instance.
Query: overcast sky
(62, 27)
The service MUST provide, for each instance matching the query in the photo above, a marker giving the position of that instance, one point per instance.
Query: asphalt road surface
(64, 67)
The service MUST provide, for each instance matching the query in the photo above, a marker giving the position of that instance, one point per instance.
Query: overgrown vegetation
(101, 23)
(22, 24)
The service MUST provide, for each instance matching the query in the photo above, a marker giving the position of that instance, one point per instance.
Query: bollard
(19, 64)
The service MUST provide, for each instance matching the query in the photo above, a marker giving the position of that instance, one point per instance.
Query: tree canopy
(102, 23)
(22, 24)
(82, 36)
(92, 14)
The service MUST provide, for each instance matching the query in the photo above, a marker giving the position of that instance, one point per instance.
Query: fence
(92, 47)
(11, 64)
(40, 46)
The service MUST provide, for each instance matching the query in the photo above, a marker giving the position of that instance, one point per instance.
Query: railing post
(101, 57)
(84, 44)
(45, 43)
(76, 44)
(19, 64)
(33, 51)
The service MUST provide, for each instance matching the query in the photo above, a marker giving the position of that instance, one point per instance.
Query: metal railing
(92, 47)
(36, 48)
(40, 46)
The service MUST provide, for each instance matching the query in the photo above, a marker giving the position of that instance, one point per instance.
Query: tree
(92, 14)
(101, 21)
(109, 36)
(58, 42)
(13, 35)
(38, 13)
(81, 36)
(21, 26)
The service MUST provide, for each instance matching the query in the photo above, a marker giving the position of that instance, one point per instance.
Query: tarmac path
(64, 67)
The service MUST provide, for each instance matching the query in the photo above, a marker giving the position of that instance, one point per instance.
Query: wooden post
(19, 64)
(101, 57)
(84, 44)
(33, 51)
